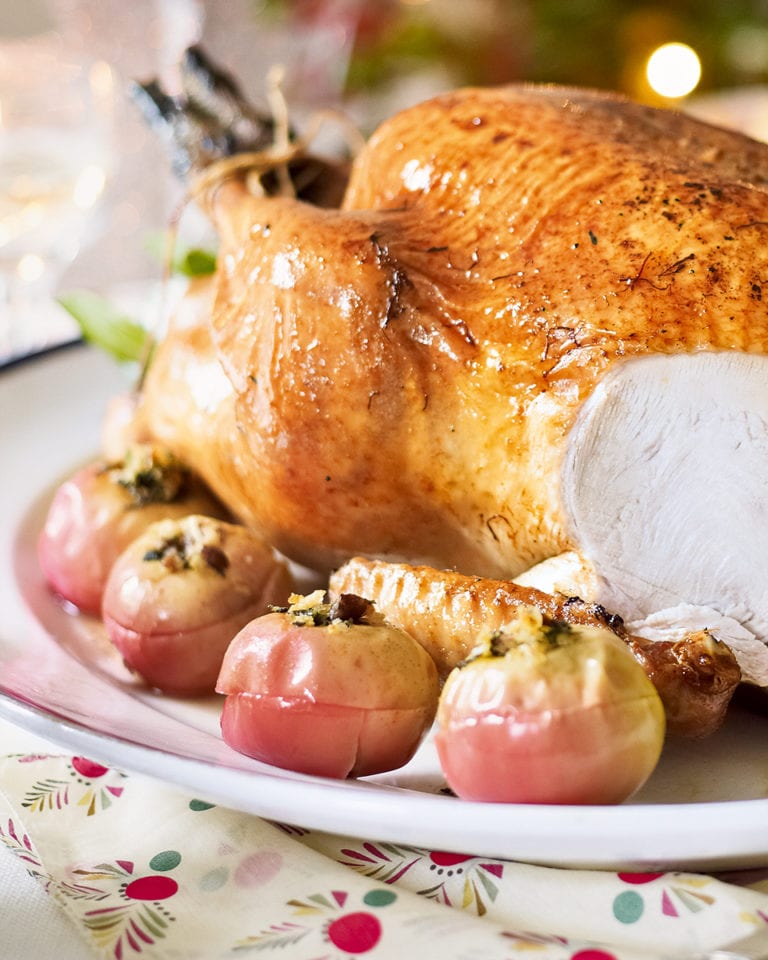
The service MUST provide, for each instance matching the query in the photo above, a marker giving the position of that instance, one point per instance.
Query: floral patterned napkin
(146, 872)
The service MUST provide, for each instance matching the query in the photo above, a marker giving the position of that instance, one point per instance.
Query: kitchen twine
(147, 872)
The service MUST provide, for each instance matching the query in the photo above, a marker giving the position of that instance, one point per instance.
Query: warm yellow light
(673, 70)
(101, 80)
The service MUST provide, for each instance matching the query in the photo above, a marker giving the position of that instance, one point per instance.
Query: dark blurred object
(209, 120)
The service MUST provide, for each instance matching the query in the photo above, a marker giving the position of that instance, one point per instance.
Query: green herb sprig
(103, 325)
(187, 262)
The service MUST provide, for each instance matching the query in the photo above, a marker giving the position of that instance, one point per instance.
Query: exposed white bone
(568, 573)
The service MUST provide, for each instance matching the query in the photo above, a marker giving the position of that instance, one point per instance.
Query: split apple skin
(549, 713)
(102, 507)
(321, 690)
(180, 592)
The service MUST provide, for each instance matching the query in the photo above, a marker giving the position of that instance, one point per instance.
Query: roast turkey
(535, 325)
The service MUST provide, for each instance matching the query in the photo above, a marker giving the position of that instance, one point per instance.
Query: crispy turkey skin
(400, 378)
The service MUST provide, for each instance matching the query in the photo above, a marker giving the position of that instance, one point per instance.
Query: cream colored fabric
(131, 867)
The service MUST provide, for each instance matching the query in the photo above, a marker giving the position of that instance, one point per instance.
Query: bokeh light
(673, 70)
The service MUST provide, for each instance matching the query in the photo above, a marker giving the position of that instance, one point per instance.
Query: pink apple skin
(336, 699)
(181, 591)
(91, 519)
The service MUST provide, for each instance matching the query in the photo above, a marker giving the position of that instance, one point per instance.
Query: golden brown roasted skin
(401, 374)
(447, 612)
(696, 678)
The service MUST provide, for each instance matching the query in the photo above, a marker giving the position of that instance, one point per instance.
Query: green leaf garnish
(191, 262)
(102, 324)
(196, 263)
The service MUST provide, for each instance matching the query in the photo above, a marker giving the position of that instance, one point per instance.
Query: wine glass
(54, 163)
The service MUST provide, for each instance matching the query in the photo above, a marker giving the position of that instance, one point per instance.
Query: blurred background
(84, 184)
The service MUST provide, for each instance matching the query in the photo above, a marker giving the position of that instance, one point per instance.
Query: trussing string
(282, 127)
(252, 166)
(277, 157)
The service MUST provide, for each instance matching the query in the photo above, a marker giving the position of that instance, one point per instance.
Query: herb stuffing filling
(315, 610)
(150, 474)
(188, 545)
(530, 630)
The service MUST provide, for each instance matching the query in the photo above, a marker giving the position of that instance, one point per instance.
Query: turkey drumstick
(447, 612)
